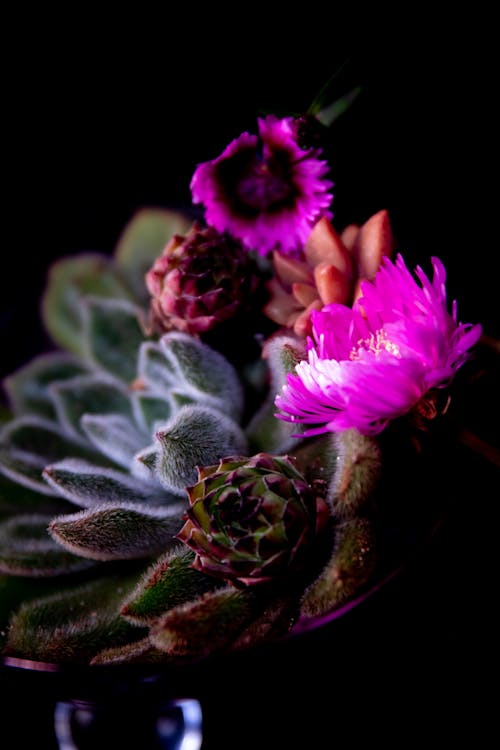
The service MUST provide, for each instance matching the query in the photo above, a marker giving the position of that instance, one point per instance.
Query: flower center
(375, 343)
(263, 185)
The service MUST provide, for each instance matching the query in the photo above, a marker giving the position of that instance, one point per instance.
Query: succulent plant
(251, 519)
(199, 280)
(330, 271)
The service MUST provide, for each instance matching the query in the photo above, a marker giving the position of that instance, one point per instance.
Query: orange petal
(303, 326)
(349, 234)
(304, 293)
(374, 240)
(281, 304)
(332, 285)
(289, 269)
(324, 244)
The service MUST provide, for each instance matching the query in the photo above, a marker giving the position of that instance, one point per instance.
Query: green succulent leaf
(113, 334)
(207, 624)
(89, 394)
(138, 652)
(27, 387)
(195, 436)
(28, 444)
(143, 240)
(150, 409)
(265, 432)
(349, 570)
(73, 625)
(119, 532)
(154, 369)
(357, 474)
(26, 549)
(87, 485)
(170, 581)
(14, 590)
(205, 374)
(69, 281)
(114, 436)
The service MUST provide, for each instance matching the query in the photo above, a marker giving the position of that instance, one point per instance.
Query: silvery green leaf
(26, 549)
(118, 532)
(154, 369)
(70, 280)
(150, 408)
(74, 624)
(29, 443)
(144, 464)
(203, 373)
(264, 431)
(89, 394)
(170, 581)
(87, 485)
(143, 240)
(113, 334)
(27, 387)
(207, 624)
(357, 473)
(113, 435)
(195, 436)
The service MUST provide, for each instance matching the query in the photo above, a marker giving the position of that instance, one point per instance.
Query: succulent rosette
(199, 280)
(250, 519)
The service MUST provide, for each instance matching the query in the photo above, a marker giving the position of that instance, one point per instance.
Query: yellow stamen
(376, 342)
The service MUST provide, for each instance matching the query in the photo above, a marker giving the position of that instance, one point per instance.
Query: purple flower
(265, 190)
(371, 364)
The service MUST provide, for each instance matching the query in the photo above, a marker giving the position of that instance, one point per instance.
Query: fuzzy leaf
(150, 409)
(89, 394)
(15, 590)
(264, 431)
(27, 387)
(70, 279)
(121, 532)
(357, 474)
(138, 652)
(113, 335)
(170, 581)
(28, 444)
(154, 369)
(195, 436)
(87, 485)
(73, 625)
(113, 435)
(207, 624)
(204, 374)
(350, 568)
(26, 549)
(143, 240)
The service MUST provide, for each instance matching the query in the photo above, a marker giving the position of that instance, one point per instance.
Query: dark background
(101, 120)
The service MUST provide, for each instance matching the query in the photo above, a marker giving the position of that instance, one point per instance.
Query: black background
(102, 118)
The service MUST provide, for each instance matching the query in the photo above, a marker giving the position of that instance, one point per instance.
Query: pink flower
(265, 190)
(375, 362)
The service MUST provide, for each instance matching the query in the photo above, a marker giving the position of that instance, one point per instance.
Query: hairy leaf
(150, 409)
(27, 387)
(113, 335)
(138, 652)
(26, 549)
(357, 474)
(113, 435)
(70, 280)
(89, 394)
(87, 485)
(195, 436)
(73, 625)
(170, 581)
(118, 532)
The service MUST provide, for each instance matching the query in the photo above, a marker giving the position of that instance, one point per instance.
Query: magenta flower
(371, 364)
(265, 190)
